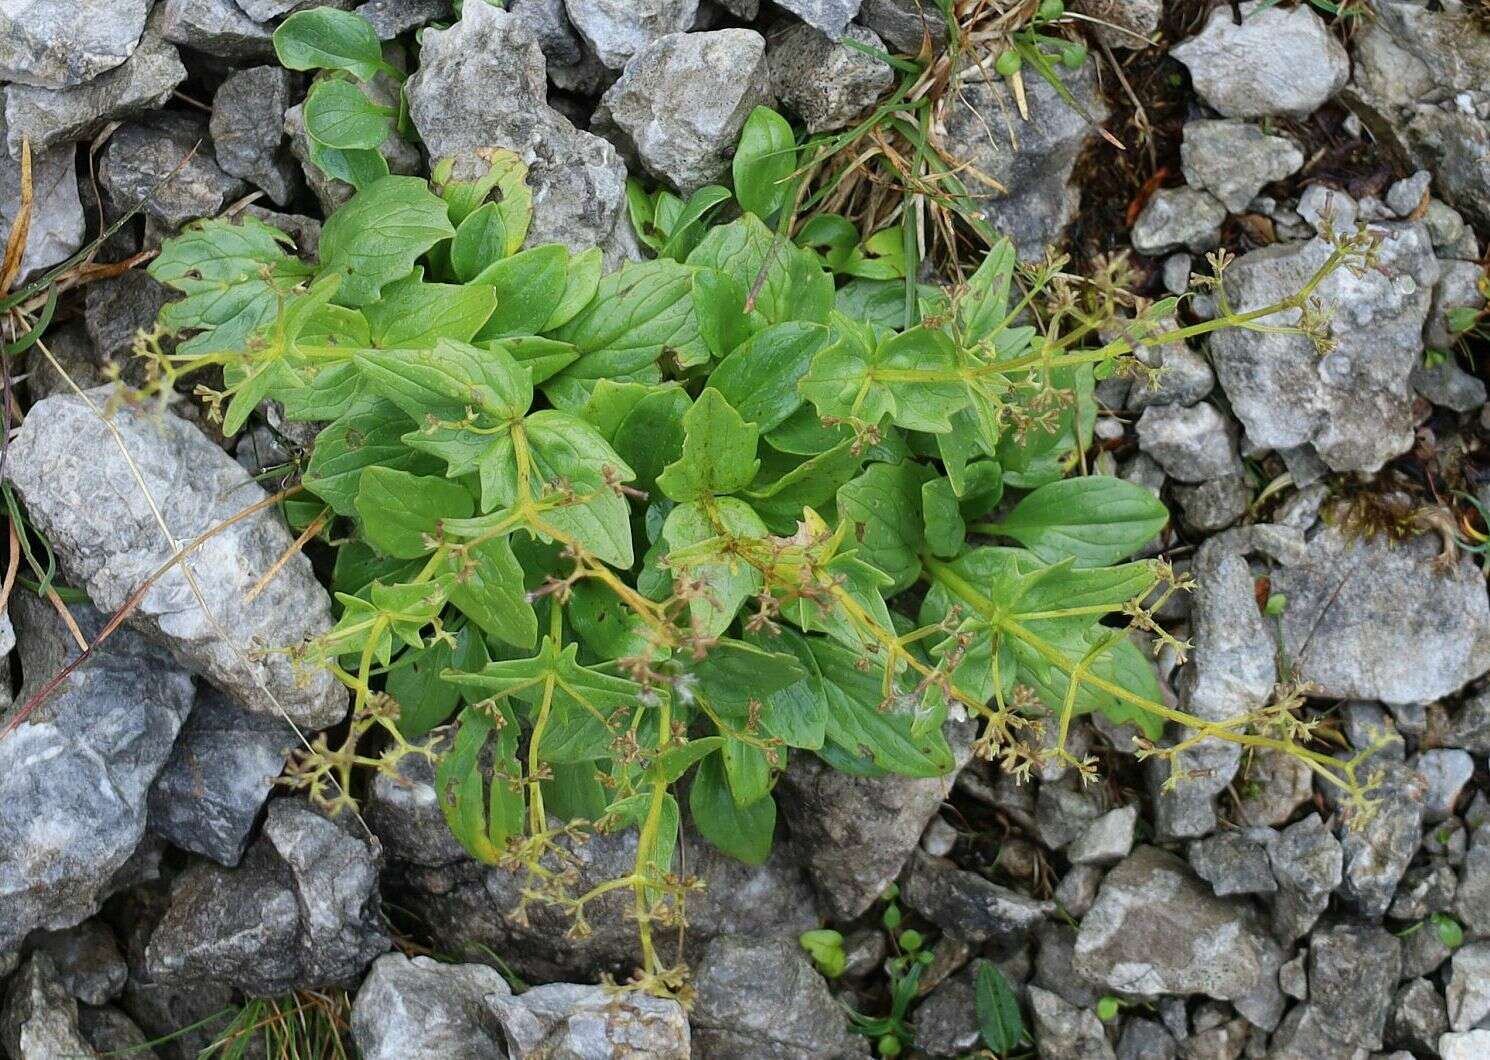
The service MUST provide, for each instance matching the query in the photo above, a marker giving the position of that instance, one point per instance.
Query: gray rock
(967, 905)
(1276, 61)
(1180, 218)
(830, 16)
(74, 775)
(93, 511)
(1146, 1040)
(1353, 970)
(1191, 443)
(390, 18)
(1449, 386)
(111, 1033)
(1275, 785)
(480, 85)
(905, 24)
(1406, 195)
(1468, 994)
(1031, 161)
(946, 1022)
(87, 961)
(144, 163)
(301, 911)
(1078, 889)
(40, 1018)
(1065, 1032)
(473, 911)
(1418, 1017)
(57, 223)
(571, 1020)
(1471, 1045)
(404, 813)
(248, 129)
(1107, 840)
(1234, 159)
(1446, 226)
(1458, 288)
(216, 27)
(422, 1009)
(561, 45)
(1053, 971)
(1180, 377)
(115, 310)
(1467, 727)
(1157, 929)
(1352, 404)
(61, 43)
(1327, 209)
(618, 30)
(1308, 863)
(1233, 863)
(857, 832)
(826, 83)
(1444, 773)
(1213, 505)
(1185, 810)
(1372, 619)
(1177, 273)
(1423, 952)
(221, 770)
(1424, 890)
(51, 116)
(683, 100)
(758, 998)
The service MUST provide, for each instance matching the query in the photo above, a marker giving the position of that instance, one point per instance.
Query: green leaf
(741, 832)
(401, 513)
(581, 281)
(378, 235)
(567, 450)
(338, 114)
(944, 529)
(698, 541)
(588, 709)
(357, 168)
(863, 376)
(999, 1021)
(608, 628)
(885, 504)
(482, 821)
(326, 39)
(718, 452)
(764, 162)
(1096, 520)
(425, 699)
(674, 762)
(480, 241)
(985, 304)
(529, 286)
(369, 435)
(760, 377)
(797, 715)
(232, 276)
(412, 314)
(488, 588)
(858, 723)
(746, 769)
(650, 436)
(719, 305)
(783, 281)
(688, 227)
(637, 313)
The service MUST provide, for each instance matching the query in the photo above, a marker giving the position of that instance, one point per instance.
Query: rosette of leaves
(604, 537)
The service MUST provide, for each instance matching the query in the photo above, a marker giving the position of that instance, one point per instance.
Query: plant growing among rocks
(606, 540)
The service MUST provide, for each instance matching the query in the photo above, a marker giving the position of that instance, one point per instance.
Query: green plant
(891, 1033)
(687, 518)
(309, 1025)
(999, 1022)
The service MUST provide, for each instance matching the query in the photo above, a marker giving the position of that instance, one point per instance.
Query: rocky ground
(1323, 502)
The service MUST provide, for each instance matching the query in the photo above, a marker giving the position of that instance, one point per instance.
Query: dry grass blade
(20, 230)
